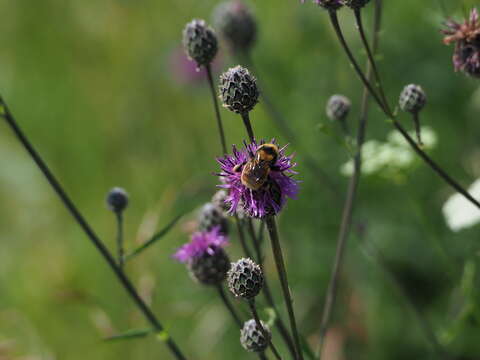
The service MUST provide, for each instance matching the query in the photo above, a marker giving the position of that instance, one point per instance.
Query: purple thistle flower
(270, 198)
(466, 36)
(201, 243)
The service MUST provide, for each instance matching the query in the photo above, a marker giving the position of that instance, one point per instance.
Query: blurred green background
(97, 86)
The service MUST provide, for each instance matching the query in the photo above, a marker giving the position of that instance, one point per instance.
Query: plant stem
(221, 133)
(120, 248)
(248, 126)
(282, 329)
(348, 208)
(241, 236)
(253, 310)
(435, 167)
(416, 120)
(229, 305)
(282, 273)
(122, 278)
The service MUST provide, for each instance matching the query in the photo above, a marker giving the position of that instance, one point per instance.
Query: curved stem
(229, 305)
(248, 126)
(282, 273)
(348, 208)
(253, 310)
(69, 205)
(416, 120)
(120, 249)
(208, 68)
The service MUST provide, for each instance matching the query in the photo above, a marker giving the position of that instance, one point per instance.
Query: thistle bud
(117, 200)
(245, 279)
(238, 90)
(329, 4)
(212, 216)
(220, 201)
(210, 268)
(200, 42)
(236, 24)
(338, 107)
(252, 338)
(412, 99)
(356, 4)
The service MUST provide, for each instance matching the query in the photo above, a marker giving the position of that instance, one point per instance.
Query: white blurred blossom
(393, 155)
(460, 213)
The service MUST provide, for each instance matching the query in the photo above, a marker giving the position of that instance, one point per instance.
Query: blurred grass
(92, 84)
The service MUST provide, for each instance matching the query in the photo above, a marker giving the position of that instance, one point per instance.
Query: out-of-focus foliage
(103, 90)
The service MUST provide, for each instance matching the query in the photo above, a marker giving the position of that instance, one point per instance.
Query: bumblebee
(255, 171)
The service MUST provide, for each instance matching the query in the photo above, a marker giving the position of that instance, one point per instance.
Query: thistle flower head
(245, 278)
(412, 99)
(117, 200)
(238, 90)
(212, 216)
(252, 338)
(271, 196)
(200, 42)
(466, 36)
(236, 24)
(338, 107)
(356, 4)
(329, 4)
(206, 260)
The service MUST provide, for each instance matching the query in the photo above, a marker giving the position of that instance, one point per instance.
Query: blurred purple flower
(466, 36)
(201, 243)
(185, 71)
(271, 197)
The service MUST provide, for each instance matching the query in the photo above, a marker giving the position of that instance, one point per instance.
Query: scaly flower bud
(200, 42)
(338, 107)
(211, 216)
(245, 279)
(117, 200)
(238, 90)
(412, 99)
(252, 338)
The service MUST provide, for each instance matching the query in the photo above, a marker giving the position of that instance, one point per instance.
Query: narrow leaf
(153, 239)
(130, 334)
(306, 348)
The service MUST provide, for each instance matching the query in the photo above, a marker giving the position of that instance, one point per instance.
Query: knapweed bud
(329, 4)
(412, 99)
(245, 279)
(236, 25)
(210, 269)
(356, 4)
(338, 107)
(117, 200)
(211, 216)
(252, 338)
(238, 90)
(220, 201)
(200, 42)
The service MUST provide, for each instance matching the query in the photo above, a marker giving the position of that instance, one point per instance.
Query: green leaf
(153, 239)
(306, 349)
(163, 335)
(130, 334)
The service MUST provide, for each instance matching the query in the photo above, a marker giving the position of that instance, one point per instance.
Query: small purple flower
(201, 243)
(466, 36)
(270, 198)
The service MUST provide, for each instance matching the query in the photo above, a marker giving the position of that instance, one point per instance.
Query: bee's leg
(238, 168)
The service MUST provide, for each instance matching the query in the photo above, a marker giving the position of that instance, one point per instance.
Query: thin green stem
(217, 109)
(248, 126)
(120, 248)
(254, 312)
(99, 245)
(348, 208)
(282, 273)
(416, 121)
(282, 329)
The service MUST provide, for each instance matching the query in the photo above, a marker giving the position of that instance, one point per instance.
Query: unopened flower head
(356, 4)
(117, 199)
(338, 107)
(272, 182)
(200, 42)
(245, 279)
(329, 4)
(252, 338)
(236, 24)
(412, 98)
(212, 216)
(238, 90)
(466, 36)
(205, 257)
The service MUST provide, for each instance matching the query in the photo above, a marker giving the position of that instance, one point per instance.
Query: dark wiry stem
(350, 200)
(282, 273)
(99, 245)
(253, 310)
(120, 249)
(248, 126)
(229, 305)
(416, 121)
(217, 110)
